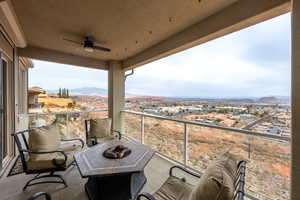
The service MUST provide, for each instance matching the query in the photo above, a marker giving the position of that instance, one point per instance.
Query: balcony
(145, 37)
(190, 144)
(75, 190)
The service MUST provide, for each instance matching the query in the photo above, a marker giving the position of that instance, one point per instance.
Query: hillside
(104, 92)
(85, 91)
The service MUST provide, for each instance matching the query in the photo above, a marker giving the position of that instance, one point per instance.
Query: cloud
(53, 75)
(252, 62)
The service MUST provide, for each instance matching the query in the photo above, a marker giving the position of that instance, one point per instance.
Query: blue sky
(253, 62)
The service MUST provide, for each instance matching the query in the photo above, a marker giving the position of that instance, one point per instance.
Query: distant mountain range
(104, 92)
(85, 91)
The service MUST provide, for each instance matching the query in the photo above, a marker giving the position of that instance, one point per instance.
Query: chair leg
(51, 175)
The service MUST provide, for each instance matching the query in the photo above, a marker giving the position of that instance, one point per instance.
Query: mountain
(104, 92)
(85, 91)
(89, 90)
(274, 100)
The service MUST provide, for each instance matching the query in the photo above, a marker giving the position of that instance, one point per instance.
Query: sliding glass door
(3, 136)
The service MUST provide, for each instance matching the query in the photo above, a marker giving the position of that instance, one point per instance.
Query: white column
(116, 93)
(295, 148)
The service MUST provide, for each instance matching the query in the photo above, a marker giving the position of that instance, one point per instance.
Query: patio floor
(11, 187)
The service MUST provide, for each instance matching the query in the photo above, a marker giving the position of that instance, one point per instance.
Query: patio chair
(45, 153)
(99, 130)
(40, 194)
(222, 180)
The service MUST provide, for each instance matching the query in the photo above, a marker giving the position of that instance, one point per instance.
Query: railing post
(185, 156)
(142, 129)
(67, 124)
(249, 150)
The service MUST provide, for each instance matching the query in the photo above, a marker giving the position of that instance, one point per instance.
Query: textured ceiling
(127, 27)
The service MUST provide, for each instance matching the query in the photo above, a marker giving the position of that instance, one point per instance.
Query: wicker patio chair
(38, 195)
(44, 153)
(99, 130)
(223, 180)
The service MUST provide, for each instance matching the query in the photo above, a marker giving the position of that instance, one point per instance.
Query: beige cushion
(44, 161)
(174, 189)
(90, 140)
(70, 145)
(100, 127)
(44, 139)
(105, 139)
(218, 180)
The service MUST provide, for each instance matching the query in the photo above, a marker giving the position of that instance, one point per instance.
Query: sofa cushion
(44, 139)
(218, 180)
(174, 189)
(100, 127)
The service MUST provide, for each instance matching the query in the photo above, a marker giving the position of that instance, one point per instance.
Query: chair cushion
(105, 139)
(174, 189)
(44, 161)
(100, 127)
(218, 180)
(44, 139)
(90, 140)
(70, 145)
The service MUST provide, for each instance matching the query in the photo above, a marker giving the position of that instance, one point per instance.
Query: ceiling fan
(88, 44)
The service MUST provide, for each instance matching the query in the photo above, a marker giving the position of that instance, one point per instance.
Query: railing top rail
(65, 113)
(242, 131)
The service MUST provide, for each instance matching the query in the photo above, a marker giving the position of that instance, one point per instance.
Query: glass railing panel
(268, 160)
(269, 169)
(97, 115)
(206, 144)
(76, 122)
(71, 125)
(76, 125)
(132, 126)
(165, 136)
(37, 120)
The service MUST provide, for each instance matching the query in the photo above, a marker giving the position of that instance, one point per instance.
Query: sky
(253, 62)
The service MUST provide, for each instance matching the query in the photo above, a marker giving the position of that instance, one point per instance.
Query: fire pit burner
(116, 152)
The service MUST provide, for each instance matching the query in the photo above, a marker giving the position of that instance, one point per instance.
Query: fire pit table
(115, 169)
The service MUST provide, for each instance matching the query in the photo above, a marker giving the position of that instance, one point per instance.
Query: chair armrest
(118, 132)
(49, 152)
(183, 169)
(240, 192)
(145, 195)
(75, 139)
(39, 194)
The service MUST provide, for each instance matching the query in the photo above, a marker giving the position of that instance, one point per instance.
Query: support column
(295, 144)
(116, 93)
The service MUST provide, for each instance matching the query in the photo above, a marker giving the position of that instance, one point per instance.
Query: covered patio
(75, 191)
(136, 33)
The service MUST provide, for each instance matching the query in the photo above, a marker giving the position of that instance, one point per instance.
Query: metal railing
(253, 143)
(66, 113)
(186, 122)
(36, 116)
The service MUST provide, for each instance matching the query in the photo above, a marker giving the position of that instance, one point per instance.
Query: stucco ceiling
(126, 26)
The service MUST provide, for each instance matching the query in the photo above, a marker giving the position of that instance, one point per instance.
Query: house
(34, 93)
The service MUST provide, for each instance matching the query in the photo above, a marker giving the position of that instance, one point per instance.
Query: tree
(59, 93)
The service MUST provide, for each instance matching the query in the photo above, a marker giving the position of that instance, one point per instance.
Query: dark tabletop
(91, 161)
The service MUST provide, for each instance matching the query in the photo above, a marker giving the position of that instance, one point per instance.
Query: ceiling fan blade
(76, 42)
(101, 48)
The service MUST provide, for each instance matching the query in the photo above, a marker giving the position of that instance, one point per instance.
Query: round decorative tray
(117, 152)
